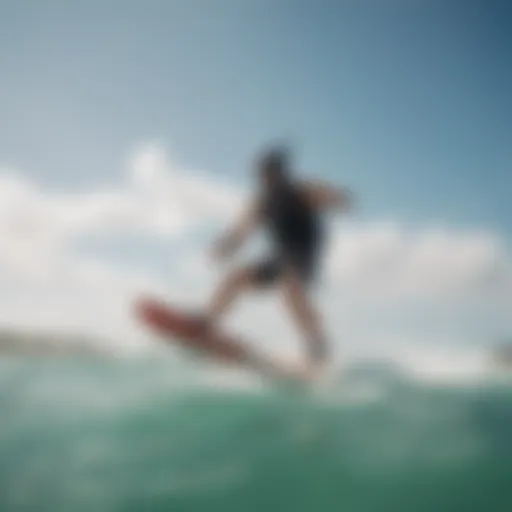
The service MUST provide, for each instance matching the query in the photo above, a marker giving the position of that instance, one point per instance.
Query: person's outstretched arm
(231, 241)
(323, 196)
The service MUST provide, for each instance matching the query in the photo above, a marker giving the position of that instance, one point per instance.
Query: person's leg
(232, 287)
(305, 315)
(238, 282)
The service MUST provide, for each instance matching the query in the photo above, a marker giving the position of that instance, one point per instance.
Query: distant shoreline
(39, 343)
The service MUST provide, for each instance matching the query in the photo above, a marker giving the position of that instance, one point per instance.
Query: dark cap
(275, 159)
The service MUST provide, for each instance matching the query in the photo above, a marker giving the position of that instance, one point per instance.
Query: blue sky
(406, 102)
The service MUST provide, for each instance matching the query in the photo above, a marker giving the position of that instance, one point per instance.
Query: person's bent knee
(242, 278)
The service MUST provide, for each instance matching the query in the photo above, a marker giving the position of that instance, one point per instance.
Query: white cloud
(38, 227)
(195, 195)
(383, 259)
(154, 198)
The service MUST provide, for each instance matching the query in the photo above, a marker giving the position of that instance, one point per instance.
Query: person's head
(273, 168)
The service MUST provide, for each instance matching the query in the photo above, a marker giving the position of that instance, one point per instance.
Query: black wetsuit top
(294, 227)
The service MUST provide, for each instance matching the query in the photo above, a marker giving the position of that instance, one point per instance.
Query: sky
(128, 130)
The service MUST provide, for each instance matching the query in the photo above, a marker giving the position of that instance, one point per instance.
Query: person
(291, 210)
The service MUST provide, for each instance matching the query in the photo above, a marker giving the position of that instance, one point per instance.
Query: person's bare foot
(303, 372)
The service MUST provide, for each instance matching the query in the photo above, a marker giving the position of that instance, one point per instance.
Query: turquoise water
(148, 436)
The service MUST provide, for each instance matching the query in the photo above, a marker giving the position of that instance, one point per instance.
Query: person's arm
(237, 235)
(326, 197)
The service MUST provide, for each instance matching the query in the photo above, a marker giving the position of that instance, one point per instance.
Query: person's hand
(222, 248)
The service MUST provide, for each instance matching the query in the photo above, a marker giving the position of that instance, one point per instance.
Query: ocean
(160, 434)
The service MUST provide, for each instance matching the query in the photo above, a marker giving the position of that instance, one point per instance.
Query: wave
(163, 434)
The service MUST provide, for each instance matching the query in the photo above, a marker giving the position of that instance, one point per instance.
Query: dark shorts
(302, 263)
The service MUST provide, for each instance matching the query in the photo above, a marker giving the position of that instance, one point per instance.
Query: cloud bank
(387, 260)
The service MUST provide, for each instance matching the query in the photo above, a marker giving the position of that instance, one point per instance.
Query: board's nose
(145, 309)
(161, 317)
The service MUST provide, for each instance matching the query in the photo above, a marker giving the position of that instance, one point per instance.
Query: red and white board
(179, 327)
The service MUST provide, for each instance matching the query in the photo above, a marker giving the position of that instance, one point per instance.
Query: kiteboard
(177, 326)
